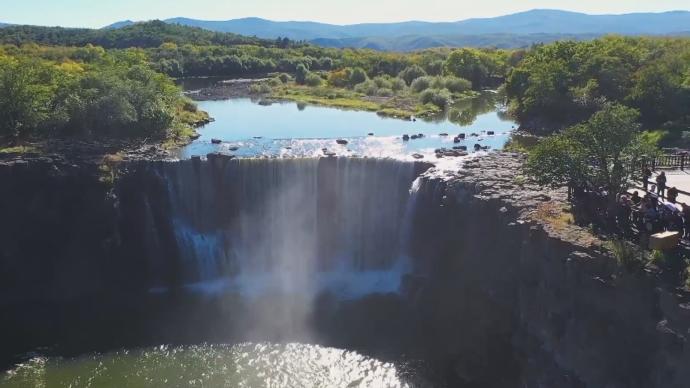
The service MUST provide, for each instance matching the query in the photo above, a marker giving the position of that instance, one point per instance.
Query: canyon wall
(490, 294)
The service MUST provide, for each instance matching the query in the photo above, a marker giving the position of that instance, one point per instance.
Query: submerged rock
(216, 141)
(418, 156)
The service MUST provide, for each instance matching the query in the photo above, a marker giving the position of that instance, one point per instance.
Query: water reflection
(246, 128)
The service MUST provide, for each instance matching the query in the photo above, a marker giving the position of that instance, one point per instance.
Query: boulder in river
(443, 134)
(418, 156)
(216, 141)
(406, 137)
(341, 141)
(371, 134)
(490, 133)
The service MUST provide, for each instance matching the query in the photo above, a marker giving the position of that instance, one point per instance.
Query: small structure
(664, 240)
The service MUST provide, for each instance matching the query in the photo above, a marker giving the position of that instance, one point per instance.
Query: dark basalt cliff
(572, 317)
(496, 297)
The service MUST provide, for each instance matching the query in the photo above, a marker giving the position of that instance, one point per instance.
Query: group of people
(656, 212)
(652, 214)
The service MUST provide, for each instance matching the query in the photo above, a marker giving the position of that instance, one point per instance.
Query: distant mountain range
(515, 30)
(529, 22)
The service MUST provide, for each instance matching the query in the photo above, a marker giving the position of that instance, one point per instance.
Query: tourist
(661, 184)
(623, 213)
(646, 174)
(686, 217)
(635, 199)
(672, 194)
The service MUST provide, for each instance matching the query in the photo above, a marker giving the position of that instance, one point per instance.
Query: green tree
(468, 64)
(411, 73)
(25, 101)
(301, 74)
(357, 76)
(599, 153)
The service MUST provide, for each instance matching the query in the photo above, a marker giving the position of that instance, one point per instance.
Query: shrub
(368, 87)
(357, 76)
(383, 82)
(340, 78)
(420, 84)
(411, 73)
(284, 77)
(456, 84)
(398, 84)
(313, 79)
(384, 92)
(260, 88)
(626, 255)
(435, 67)
(441, 98)
(301, 74)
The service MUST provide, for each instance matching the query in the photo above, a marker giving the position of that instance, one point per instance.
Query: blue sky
(97, 13)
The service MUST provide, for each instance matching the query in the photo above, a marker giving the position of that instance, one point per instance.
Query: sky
(98, 13)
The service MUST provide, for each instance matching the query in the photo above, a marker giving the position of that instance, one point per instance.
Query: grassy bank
(403, 105)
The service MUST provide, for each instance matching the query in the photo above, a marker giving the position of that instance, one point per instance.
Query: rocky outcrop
(570, 316)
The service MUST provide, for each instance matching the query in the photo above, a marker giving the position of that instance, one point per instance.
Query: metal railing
(678, 161)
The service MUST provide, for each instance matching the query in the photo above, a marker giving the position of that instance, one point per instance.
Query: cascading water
(293, 225)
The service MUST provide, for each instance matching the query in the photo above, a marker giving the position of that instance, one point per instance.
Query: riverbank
(404, 105)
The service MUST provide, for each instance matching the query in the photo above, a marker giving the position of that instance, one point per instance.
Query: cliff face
(496, 295)
(574, 319)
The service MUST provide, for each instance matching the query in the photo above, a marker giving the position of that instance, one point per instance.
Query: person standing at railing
(661, 184)
(646, 174)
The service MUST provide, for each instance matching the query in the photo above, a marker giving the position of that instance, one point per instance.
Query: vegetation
(87, 92)
(563, 83)
(600, 153)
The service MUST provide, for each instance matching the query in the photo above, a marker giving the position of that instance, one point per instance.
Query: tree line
(87, 92)
(564, 83)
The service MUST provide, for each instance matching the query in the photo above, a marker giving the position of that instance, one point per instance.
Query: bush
(435, 67)
(313, 79)
(441, 98)
(340, 78)
(627, 256)
(260, 88)
(368, 87)
(383, 82)
(411, 73)
(456, 84)
(284, 77)
(420, 84)
(301, 74)
(357, 76)
(384, 92)
(398, 84)
(275, 81)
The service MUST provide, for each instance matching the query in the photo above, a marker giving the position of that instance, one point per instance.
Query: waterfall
(290, 223)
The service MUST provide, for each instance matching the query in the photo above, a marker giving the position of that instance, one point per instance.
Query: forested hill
(510, 31)
(539, 21)
(144, 35)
